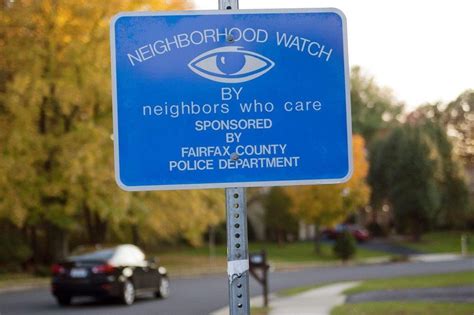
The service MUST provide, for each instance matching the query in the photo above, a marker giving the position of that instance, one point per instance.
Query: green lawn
(401, 308)
(298, 290)
(292, 252)
(304, 252)
(404, 308)
(426, 281)
(186, 259)
(409, 307)
(259, 310)
(442, 242)
(441, 280)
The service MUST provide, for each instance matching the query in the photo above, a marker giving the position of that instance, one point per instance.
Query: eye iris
(229, 62)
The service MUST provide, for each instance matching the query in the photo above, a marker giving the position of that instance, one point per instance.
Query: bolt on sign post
(231, 99)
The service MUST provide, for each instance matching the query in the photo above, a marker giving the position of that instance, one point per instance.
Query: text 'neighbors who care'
(250, 156)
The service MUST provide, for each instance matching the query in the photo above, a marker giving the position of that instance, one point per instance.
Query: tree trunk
(135, 234)
(416, 230)
(212, 244)
(416, 234)
(89, 228)
(63, 243)
(375, 213)
(96, 226)
(33, 240)
(100, 229)
(57, 240)
(280, 237)
(317, 239)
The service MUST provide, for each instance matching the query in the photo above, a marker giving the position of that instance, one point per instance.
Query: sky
(423, 50)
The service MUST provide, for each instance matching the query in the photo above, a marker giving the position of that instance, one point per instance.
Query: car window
(104, 254)
(128, 255)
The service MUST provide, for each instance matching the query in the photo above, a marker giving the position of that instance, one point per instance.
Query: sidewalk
(318, 301)
(436, 257)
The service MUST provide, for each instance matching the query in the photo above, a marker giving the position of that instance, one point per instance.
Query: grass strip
(414, 282)
(404, 308)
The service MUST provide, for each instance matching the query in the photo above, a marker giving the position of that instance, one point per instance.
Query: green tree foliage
(452, 184)
(414, 169)
(13, 247)
(457, 119)
(413, 176)
(345, 246)
(373, 108)
(378, 175)
(56, 162)
(449, 128)
(279, 221)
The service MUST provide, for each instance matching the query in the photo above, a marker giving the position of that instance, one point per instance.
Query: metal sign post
(237, 251)
(237, 241)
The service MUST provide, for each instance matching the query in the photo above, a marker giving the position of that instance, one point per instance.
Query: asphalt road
(389, 247)
(205, 294)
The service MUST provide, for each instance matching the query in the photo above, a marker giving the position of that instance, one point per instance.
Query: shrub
(13, 252)
(345, 246)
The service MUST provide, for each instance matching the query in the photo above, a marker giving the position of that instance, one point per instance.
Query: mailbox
(259, 270)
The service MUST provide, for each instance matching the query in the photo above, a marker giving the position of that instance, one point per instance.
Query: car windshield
(104, 254)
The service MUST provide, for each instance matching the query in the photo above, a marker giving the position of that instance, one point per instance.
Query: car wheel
(128, 293)
(164, 289)
(63, 300)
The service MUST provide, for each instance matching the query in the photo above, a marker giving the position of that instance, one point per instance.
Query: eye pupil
(230, 62)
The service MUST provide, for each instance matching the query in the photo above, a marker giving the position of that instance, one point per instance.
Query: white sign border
(225, 184)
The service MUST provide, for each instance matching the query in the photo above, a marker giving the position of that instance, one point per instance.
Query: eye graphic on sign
(230, 65)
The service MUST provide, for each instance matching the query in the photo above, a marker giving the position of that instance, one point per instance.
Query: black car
(121, 272)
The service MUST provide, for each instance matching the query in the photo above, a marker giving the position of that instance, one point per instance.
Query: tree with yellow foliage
(325, 205)
(56, 161)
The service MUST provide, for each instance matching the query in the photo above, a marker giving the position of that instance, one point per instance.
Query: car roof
(126, 254)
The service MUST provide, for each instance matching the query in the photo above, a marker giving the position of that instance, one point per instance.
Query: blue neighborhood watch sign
(207, 99)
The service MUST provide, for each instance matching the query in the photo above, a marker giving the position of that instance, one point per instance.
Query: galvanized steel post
(237, 251)
(237, 242)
